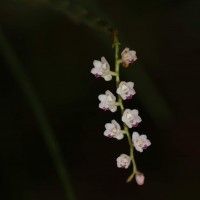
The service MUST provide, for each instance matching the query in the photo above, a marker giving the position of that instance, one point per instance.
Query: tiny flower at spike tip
(129, 117)
(128, 57)
(125, 90)
(113, 130)
(123, 161)
(107, 101)
(139, 179)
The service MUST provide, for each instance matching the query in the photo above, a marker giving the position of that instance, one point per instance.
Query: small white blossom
(128, 56)
(140, 179)
(140, 141)
(123, 161)
(125, 90)
(131, 118)
(101, 69)
(107, 101)
(113, 130)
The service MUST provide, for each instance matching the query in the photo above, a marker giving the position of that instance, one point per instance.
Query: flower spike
(130, 118)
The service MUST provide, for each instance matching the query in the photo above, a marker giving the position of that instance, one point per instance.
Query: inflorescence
(130, 117)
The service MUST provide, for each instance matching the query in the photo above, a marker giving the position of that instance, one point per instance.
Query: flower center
(126, 55)
(104, 68)
(109, 99)
(124, 88)
(129, 116)
(139, 142)
(114, 130)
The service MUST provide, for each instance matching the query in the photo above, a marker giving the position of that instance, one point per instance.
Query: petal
(108, 77)
(128, 124)
(97, 64)
(101, 105)
(147, 142)
(127, 110)
(123, 96)
(138, 119)
(124, 87)
(132, 91)
(113, 109)
(102, 97)
(134, 112)
(138, 148)
(140, 179)
(116, 124)
(119, 136)
(122, 83)
(135, 136)
(103, 60)
(96, 71)
(118, 90)
(108, 133)
(143, 137)
(133, 53)
(130, 84)
(126, 49)
(109, 126)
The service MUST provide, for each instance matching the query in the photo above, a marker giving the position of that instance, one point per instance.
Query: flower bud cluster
(130, 117)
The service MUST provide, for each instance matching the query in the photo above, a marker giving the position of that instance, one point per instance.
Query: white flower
(123, 161)
(107, 101)
(125, 90)
(131, 118)
(101, 69)
(113, 130)
(140, 141)
(140, 179)
(128, 56)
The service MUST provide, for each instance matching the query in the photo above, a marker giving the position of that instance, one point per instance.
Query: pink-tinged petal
(135, 112)
(108, 134)
(140, 179)
(116, 124)
(143, 137)
(95, 71)
(148, 143)
(135, 136)
(103, 106)
(130, 84)
(132, 92)
(123, 118)
(109, 126)
(138, 119)
(102, 97)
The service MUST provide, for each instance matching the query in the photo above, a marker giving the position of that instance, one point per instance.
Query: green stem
(126, 130)
(18, 73)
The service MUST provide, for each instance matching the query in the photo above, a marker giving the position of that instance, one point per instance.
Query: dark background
(55, 44)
